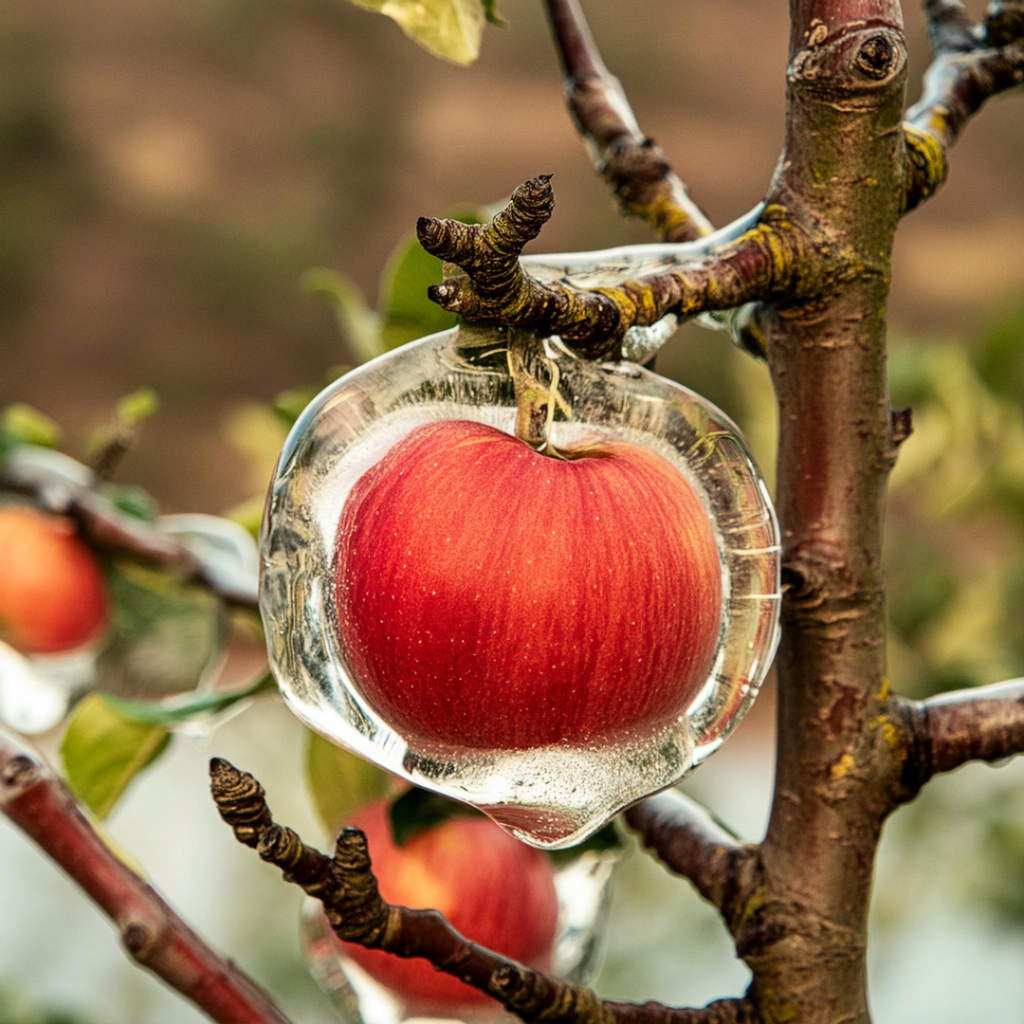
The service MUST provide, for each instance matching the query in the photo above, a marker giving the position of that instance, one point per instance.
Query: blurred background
(168, 173)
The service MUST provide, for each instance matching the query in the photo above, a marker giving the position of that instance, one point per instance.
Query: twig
(943, 733)
(688, 841)
(114, 532)
(347, 888)
(632, 163)
(42, 807)
(494, 286)
(972, 63)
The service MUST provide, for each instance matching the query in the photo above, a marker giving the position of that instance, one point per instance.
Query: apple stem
(536, 402)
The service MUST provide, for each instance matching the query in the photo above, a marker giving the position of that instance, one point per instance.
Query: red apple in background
(491, 596)
(491, 888)
(52, 592)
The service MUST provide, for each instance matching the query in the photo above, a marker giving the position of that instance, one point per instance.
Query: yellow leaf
(449, 29)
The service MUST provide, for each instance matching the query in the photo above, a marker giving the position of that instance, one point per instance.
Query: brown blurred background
(167, 173)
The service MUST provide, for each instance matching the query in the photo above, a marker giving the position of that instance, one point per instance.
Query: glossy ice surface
(555, 794)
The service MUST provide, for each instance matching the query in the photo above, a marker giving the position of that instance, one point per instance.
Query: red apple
(52, 593)
(492, 888)
(491, 596)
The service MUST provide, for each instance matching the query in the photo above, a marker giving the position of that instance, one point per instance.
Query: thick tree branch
(61, 492)
(347, 888)
(972, 63)
(688, 840)
(632, 164)
(769, 260)
(940, 734)
(39, 804)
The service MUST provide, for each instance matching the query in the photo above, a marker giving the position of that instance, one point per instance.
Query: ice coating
(557, 794)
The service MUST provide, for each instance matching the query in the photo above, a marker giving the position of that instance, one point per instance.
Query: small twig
(112, 531)
(690, 842)
(346, 886)
(943, 733)
(632, 164)
(758, 265)
(972, 63)
(43, 808)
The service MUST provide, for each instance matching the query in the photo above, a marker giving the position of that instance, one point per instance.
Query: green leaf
(163, 636)
(340, 783)
(491, 13)
(25, 424)
(416, 810)
(138, 406)
(249, 514)
(176, 710)
(405, 311)
(607, 838)
(103, 751)
(133, 501)
(449, 29)
(357, 322)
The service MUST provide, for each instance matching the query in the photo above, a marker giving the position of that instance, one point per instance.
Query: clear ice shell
(583, 889)
(555, 796)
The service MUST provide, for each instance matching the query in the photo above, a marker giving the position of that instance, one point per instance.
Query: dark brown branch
(688, 840)
(39, 804)
(355, 910)
(632, 164)
(972, 63)
(760, 264)
(111, 531)
(943, 733)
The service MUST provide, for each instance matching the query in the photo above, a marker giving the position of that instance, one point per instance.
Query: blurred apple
(491, 888)
(53, 596)
(492, 596)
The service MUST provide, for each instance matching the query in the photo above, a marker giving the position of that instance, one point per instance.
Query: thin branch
(43, 808)
(985, 723)
(632, 164)
(690, 842)
(354, 908)
(758, 265)
(110, 530)
(972, 63)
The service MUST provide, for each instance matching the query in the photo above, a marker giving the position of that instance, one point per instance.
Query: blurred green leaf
(491, 13)
(449, 29)
(138, 406)
(405, 311)
(103, 751)
(416, 810)
(357, 322)
(607, 838)
(339, 783)
(175, 711)
(163, 635)
(132, 501)
(22, 423)
(249, 514)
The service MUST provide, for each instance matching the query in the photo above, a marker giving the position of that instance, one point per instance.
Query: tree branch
(52, 488)
(760, 264)
(972, 63)
(688, 840)
(632, 164)
(42, 807)
(353, 906)
(985, 723)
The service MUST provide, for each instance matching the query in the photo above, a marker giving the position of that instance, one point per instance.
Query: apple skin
(492, 888)
(490, 596)
(53, 596)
